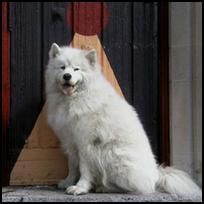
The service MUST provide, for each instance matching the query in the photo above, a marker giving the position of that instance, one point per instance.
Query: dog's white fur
(107, 146)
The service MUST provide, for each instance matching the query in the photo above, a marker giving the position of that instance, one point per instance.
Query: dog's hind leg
(135, 180)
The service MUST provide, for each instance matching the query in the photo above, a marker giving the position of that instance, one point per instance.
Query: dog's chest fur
(78, 120)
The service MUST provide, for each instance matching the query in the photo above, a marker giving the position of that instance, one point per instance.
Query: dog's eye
(76, 69)
(62, 67)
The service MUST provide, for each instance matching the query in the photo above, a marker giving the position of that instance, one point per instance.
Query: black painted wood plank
(145, 68)
(26, 65)
(116, 40)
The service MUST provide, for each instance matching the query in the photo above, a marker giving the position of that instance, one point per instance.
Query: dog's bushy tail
(177, 182)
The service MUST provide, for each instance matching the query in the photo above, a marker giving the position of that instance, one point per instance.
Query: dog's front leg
(73, 175)
(85, 182)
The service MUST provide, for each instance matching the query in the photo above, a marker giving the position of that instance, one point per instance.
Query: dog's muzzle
(68, 88)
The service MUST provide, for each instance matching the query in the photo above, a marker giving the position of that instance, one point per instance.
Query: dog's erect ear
(54, 50)
(91, 56)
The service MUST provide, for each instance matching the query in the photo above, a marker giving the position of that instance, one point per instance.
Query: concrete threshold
(52, 194)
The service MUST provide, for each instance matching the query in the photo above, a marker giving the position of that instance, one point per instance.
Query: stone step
(52, 194)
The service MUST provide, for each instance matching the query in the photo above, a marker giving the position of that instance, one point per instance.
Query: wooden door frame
(164, 143)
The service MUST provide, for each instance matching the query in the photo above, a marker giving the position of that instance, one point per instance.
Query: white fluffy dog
(102, 134)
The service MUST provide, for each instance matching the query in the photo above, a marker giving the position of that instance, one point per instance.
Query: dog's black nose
(67, 77)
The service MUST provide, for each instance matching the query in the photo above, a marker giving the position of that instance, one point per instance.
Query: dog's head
(69, 68)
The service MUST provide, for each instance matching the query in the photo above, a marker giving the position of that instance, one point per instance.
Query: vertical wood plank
(5, 91)
(116, 42)
(26, 72)
(145, 69)
(164, 84)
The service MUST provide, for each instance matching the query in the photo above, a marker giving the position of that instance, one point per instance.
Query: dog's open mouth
(68, 89)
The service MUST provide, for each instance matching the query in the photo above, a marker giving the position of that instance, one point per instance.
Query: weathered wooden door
(125, 35)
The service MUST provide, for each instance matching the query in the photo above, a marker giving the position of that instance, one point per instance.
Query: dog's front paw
(76, 190)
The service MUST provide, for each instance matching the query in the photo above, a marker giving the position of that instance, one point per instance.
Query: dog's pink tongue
(67, 90)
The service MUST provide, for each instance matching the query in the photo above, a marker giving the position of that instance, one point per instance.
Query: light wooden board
(45, 171)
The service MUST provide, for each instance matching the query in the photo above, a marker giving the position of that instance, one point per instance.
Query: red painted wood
(5, 90)
(87, 18)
